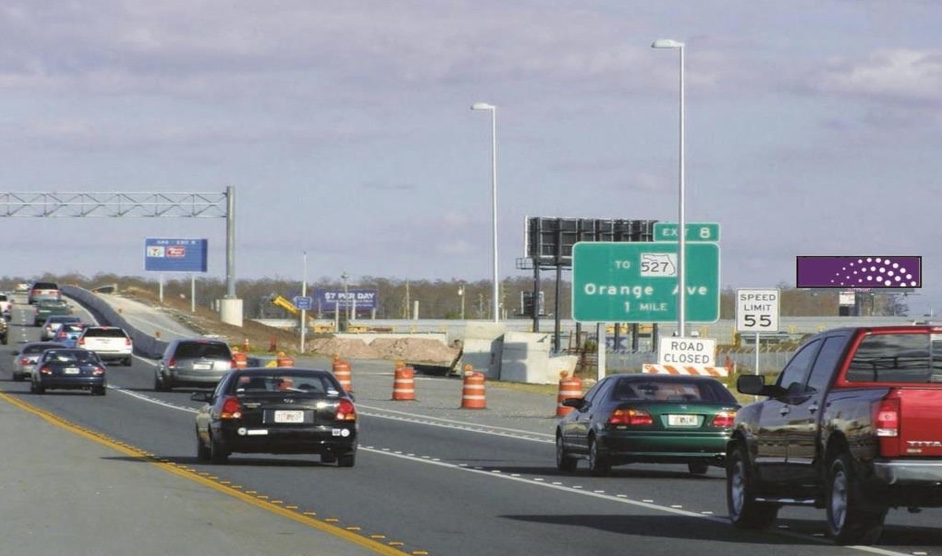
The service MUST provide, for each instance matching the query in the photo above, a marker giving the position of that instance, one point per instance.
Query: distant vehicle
(111, 343)
(192, 362)
(6, 306)
(43, 291)
(51, 324)
(47, 308)
(22, 288)
(25, 358)
(4, 331)
(277, 410)
(69, 369)
(647, 418)
(67, 333)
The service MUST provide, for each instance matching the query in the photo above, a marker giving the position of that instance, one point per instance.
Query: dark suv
(193, 362)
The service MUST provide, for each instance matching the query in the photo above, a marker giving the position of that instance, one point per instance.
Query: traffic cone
(473, 394)
(568, 388)
(403, 383)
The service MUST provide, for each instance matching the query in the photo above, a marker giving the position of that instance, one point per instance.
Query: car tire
(564, 462)
(347, 460)
(127, 362)
(159, 384)
(217, 452)
(17, 377)
(202, 452)
(328, 458)
(37, 388)
(698, 467)
(851, 518)
(99, 390)
(599, 464)
(744, 511)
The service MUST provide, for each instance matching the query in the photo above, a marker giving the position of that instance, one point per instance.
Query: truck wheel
(744, 511)
(851, 518)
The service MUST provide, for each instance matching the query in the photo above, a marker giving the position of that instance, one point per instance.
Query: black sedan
(647, 418)
(277, 410)
(68, 369)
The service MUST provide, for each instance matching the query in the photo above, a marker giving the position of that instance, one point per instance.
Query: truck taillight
(630, 417)
(231, 409)
(886, 420)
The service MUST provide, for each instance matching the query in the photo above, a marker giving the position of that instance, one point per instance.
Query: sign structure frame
(758, 309)
(175, 254)
(637, 282)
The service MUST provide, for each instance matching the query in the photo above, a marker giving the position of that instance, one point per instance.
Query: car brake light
(231, 409)
(127, 341)
(346, 411)
(886, 420)
(171, 362)
(97, 371)
(630, 417)
(724, 419)
(45, 370)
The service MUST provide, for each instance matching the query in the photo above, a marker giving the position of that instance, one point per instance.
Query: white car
(109, 342)
(6, 305)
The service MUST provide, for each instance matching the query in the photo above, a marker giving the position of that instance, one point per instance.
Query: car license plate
(71, 370)
(289, 416)
(202, 366)
(682, 420)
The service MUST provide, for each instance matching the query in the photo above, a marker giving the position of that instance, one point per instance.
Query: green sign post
(667, 231)
(637, 282)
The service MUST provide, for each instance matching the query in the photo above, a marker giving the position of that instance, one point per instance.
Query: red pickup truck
(853, 424)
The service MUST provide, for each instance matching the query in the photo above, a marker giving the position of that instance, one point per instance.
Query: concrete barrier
(145, 345)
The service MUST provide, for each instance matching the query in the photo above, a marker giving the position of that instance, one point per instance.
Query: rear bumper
(666, 448)
(196, 378)
(896, 472)
(72, 383)
(338, 439)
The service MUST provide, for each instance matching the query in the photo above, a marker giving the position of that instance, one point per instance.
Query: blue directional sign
(175, 254)
(303, 303)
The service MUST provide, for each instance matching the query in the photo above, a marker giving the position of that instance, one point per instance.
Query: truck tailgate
(920, 422)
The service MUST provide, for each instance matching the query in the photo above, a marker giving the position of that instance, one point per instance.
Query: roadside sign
(303, 303)
(637, 282)
(667, 231)
(757, 310)
(686, 351)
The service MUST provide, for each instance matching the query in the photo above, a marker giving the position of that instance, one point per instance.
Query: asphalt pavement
(63, 483)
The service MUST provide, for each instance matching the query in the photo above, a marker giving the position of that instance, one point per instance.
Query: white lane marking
(621, 499)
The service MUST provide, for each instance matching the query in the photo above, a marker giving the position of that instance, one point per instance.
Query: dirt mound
(347, 349)
(418, 350)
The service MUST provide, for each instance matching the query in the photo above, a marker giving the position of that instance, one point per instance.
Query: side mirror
(755, 385)
(201, 396)
(577, 403)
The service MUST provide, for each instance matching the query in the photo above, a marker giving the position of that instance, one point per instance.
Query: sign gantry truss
(85, 205)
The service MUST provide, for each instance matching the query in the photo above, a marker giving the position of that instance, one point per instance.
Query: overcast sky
(812, 128)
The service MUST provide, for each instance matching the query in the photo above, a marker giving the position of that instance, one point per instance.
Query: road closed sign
(686, 351)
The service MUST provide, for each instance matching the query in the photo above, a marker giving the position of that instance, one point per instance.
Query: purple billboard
(867, 271)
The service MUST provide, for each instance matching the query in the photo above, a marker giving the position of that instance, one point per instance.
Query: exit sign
(667, 231)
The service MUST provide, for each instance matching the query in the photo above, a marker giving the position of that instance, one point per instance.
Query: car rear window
(672, 391)
(212, 350)
(29, 350)
(105, 333)
(45, 286)
(281, 382)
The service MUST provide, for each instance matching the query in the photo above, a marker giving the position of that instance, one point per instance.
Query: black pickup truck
(853, 424)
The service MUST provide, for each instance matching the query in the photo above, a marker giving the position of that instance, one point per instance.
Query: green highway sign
(637, 282)
(667, 231)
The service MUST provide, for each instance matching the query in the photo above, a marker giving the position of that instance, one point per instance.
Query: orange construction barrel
(341, 370)
(404, 384)
(473, 395)
(283, 360)
(239, 360)
(569, 387)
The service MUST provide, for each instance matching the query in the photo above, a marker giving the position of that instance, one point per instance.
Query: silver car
(192, 362)
(25, 359)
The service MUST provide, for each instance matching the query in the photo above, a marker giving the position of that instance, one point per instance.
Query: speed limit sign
(757, 310)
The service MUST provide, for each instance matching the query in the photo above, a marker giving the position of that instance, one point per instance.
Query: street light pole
(681, 217)
(493, 109)
(303, 294)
